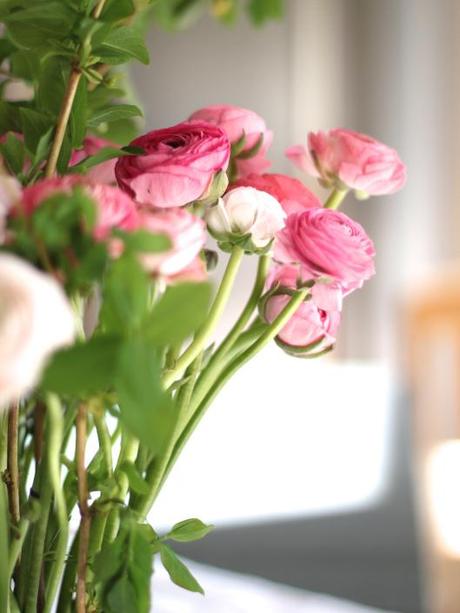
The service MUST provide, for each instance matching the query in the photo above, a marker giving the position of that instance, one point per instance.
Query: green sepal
(252, 151)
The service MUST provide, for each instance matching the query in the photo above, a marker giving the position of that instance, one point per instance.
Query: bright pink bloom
(236, 121)
(327, 243)
(188, 236)
(102, 173)
(291, 193)
(178, 166)
(115, 208)
(310, 323)
(346, 159)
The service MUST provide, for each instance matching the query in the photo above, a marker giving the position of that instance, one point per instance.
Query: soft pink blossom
(310, 324)
(327, 243)
(187, 234)
(35, 320)
(246, 211)
(102, 173)
(114, 208)
(178, 166)
(346, 159)
(291, 193)
(236, 122)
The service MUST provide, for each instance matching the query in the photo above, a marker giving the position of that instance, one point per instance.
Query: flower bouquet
(109, 305)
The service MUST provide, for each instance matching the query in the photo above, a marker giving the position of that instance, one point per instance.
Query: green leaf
(114, 113)
(136, 481)
(34, 126)
(122, 597)
(10, 119)
(179, 313)
(126, 296)
(51, 84)
(177, 571)
(122, 45)
(115, 10)
(39, 25)
(146, 410)
(12, 150)
(109, 561)
(189, 530)
(84, 368)
(178, 14)
(145, 242)
(77, 123)
(263, 10)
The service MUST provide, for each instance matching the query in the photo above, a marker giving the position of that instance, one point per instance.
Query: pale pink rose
(246, 211)
(35, 320)
(291, 193)
(187, 234)
(178, 166)
(102, 173)
(327, 243)
(115, 209)
(346, 159)
(236, 121)
(311, 326)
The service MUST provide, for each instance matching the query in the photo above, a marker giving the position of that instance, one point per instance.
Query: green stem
(55, 438)
(16, 544)
(215, 363)
(214, 315)
(159, 464)
(105, 442)
(269, 334)
(335, 198)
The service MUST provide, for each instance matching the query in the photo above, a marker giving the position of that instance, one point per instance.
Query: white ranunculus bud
(35, 320)
(246, 211)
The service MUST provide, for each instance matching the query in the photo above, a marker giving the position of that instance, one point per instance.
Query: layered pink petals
(178, 166)
(311, 324)
(187, 234)
(102, 173)
(291, 193)
(115, 209)
(237, 122)
(327, 243)
(347, 159)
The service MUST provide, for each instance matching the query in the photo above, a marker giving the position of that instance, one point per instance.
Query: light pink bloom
(291, 193)
(246, 211)
(115, 209)
(311, 323)
(178, 166)
(102, 173)
(35, 320)
(187, 234)
(346, 159)
(236, 121)
(327, 243)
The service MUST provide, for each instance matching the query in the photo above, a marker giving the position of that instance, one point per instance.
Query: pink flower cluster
(187, 164)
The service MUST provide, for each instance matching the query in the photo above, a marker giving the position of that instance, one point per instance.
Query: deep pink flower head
(115, 209)
(346, 159)
(236, 121)
(327, 243)
(178, 166)
(310, 324)
(291, 193)
(102, 173)
(187, 234)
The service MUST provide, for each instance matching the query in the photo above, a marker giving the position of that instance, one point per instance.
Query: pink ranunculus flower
(35, 320)
(102, 173)
(115, 209)
(246, 211)
(187, 234)
(311, 327)
(346, 159)
(291, 193)
(327, 243)
(236, 121)
(178, 166)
